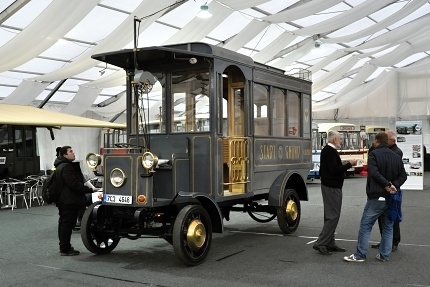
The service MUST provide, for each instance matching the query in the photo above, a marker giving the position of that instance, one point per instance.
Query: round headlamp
(117, 177)
(93, 160)
(149, 160)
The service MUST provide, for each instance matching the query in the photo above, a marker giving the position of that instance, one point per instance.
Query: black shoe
(71, 252)
(322, 250)
(376, 246)
(395, 247)
(335, 249)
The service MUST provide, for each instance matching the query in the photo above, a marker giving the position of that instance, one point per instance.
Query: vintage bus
(371, 132)
(353, 143)
(231, 135)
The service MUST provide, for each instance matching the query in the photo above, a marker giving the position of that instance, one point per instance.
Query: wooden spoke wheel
(289, 212)
(192, 235)
(94, 235)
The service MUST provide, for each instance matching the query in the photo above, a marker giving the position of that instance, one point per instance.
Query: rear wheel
(192, 234)
(289, 212)
(95, 236)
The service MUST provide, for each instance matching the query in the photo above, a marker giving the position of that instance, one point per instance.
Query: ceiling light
(204, 11)
(318, 43)
(102, 71)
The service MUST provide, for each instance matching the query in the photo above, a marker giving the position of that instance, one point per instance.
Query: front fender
(211, 207)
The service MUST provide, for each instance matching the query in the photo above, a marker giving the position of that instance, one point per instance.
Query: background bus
(371, 132)
(353, 145)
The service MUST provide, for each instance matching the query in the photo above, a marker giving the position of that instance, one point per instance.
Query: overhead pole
(51, 132)
(12, 9)
(51, 93)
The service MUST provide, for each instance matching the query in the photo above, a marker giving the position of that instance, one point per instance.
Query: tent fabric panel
(52, 24)
(26, 92)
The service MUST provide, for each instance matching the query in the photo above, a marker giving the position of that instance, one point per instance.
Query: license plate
(120, 199)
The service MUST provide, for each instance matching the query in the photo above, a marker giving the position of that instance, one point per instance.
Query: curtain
(354, 14)
(267, 53)
(245, 35)
(402, 13)
(301, 11)
(242, 4)
(52, 24)
(398, 35)
(26, 92)
(421, 43)
(115, 79)
(327, 60)
(295, 55)
(334, 75)
(118, 39)
(365, 72)
(363, 91)
(198, 28)
(82, 101)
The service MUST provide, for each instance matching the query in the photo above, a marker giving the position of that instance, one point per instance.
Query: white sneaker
(352, 258)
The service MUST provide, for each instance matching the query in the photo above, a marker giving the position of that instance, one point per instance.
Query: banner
(410, 141)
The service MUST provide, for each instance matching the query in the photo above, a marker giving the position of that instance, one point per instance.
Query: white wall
(82, 141)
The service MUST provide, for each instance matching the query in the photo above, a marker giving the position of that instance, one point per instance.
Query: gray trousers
(332, 199)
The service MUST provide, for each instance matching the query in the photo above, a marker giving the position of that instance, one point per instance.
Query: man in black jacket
(386, 174)
(332, 173)
(392, 138)
(72, 197)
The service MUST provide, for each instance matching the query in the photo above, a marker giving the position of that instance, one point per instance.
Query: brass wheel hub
(291, 210)
(196, 235)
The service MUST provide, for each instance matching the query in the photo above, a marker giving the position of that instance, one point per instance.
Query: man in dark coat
(392, 138)
(386, 174)
(332, 173)
(72, 197)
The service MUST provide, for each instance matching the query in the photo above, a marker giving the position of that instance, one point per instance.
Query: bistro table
(9, 193)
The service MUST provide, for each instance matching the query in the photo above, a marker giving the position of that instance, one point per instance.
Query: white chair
(33, 189)
(17, 189)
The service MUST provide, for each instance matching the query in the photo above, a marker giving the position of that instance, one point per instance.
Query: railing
(238, 159)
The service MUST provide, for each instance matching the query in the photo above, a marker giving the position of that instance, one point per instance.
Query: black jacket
(332, 171)
(71, 179)
(384, 166)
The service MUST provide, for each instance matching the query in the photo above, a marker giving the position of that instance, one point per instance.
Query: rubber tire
(285, 224)
(92, 236)
(180, 227)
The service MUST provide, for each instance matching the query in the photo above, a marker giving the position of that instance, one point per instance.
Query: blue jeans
(373, 209)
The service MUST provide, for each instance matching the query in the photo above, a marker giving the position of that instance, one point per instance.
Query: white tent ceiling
(370, 52)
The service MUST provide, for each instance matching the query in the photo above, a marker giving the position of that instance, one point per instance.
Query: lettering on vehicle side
(282, 152)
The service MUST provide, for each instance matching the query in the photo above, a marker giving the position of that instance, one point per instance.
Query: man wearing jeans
(392, 138)
(386, 174)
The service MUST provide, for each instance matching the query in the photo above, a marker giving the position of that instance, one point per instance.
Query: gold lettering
(261, 152)
(267, 152)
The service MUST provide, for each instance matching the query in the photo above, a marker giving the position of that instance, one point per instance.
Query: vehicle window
(190, 101)
(278, 112)
(261, 121)
(293, 106)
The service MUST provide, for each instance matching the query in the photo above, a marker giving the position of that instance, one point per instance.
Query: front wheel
(192, 235)
(96, 235)
(289, 212)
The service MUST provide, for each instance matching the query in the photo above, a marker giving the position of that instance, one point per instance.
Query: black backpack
(51, 188)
